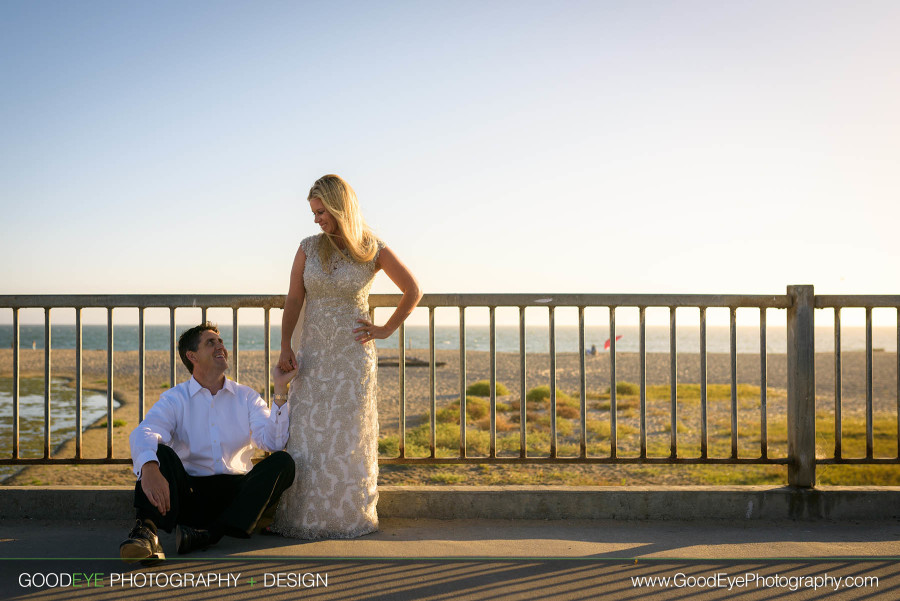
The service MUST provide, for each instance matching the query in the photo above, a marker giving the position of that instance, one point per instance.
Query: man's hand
(155, 486)
(282, 379)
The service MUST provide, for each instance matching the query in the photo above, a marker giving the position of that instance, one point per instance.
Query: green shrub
(389, 446)
(564, 427)
(502, 423)
(568, 411)
(539, 394)
(627, 388)
(417, 443)
(446, 478)
(563, 399)
(483, 388)
(478, 442)
(476, 408)
(420, 436)
(447, 435)
(598, 427)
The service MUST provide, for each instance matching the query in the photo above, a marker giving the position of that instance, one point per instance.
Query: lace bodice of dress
(342, 285)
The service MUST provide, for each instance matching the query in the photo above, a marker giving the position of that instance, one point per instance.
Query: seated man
(192, 455)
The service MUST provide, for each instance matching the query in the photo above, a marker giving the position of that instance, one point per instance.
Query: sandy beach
(417, 388)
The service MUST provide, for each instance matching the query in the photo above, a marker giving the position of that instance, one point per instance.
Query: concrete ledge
(642, 503)
(734, 503)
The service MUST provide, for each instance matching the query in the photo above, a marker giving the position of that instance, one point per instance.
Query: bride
(334, 417)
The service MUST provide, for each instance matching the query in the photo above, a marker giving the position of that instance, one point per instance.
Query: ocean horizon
(252, 338)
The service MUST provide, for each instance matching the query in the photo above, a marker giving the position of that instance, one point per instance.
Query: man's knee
(282, 461)
(282, 464)
(166, 455)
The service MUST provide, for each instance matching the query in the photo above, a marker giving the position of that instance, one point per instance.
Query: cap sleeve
(379, 245)
(309, 245)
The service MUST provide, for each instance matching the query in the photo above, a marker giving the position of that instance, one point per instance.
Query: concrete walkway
(472, 559)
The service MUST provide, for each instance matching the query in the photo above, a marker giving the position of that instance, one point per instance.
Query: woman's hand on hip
(368, 331)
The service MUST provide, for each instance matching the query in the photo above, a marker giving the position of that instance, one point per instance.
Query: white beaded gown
(334, 419)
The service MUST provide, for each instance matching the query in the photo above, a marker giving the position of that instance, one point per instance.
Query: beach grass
(483, 388)
(598, 429)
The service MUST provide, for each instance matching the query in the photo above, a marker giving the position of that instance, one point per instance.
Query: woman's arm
(406, 282)
(292, 305)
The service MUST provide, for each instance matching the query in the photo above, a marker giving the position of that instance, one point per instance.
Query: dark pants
(234, 503)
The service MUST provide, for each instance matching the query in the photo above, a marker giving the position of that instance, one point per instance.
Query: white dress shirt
(211, 434)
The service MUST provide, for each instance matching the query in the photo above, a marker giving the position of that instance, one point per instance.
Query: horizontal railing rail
(589, 300)
(799, 302)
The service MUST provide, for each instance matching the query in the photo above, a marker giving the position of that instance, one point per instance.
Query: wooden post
(801, 361)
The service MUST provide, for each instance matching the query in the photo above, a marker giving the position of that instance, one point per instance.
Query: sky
(495, 146)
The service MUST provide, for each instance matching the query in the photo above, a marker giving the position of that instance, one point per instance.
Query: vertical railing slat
(492, 451)
(109, 382)
(523, 450)
(704, 433)
(432, 383)
(673, 386)
(78, 382)
(838, 420)
(763, 387)
(142, 364)
(174, 344)
(582, 383)
(732, 336)
(401, 363)
(235, 347)
(47, 382)
(613, 435)
(642, 375)
(870, 447)
(553, 449)
(462, 382)
(15, 383)
(267, 353)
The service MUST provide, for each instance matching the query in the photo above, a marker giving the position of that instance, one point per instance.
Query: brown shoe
(141, 545)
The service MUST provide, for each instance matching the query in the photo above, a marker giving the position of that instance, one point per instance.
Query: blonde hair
(340, 200)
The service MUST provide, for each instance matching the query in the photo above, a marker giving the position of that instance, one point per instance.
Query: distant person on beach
(192, 452)
(593, 351)
(334, 419)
